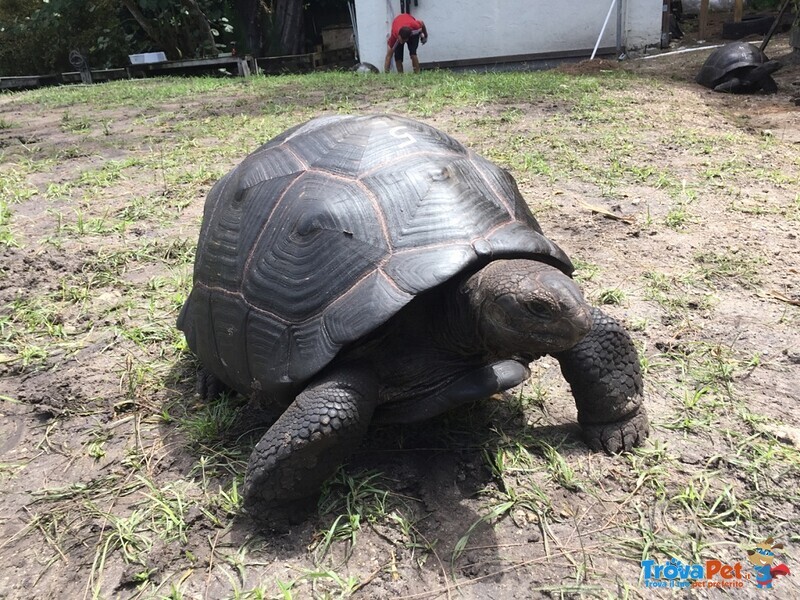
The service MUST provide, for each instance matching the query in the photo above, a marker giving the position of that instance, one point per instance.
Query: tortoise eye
(538, 308)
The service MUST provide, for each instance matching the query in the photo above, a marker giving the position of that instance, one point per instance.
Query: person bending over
(406, 30)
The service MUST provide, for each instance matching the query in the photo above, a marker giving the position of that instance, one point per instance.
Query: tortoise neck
(457, 327)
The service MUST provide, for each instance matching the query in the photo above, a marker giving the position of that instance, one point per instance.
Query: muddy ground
(681, 209)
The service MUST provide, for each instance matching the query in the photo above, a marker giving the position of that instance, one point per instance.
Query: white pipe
(681, 51)
(603, 30)
(352, 9)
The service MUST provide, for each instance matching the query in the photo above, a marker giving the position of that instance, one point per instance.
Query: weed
(559, 469)
(326, 583)
(677, 293)
(9, 470)
(719, 509)
(610, 296)
(208, 424)
(14, 187)
(514, 469)
(59, 191)
(6, 235)
(75, 124)
(229, 502)
(732, 265)
(651, 466)
(697, 410)
(585, 271)
(168, 509)
(357, 500)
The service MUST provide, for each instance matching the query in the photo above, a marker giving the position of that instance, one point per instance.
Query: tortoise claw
(617, 436)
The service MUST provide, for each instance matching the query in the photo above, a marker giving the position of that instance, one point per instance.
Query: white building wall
(642, 23)
(495, 29)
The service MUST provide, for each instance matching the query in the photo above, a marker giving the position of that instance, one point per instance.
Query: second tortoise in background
(739, 68)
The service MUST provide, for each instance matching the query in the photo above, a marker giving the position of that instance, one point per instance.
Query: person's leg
(413, 44)
(387, 62)
(398, 56)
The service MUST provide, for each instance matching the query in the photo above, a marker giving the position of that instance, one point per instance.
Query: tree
(164, 38)
(251, 15)
(181, 31)
(288, 16)
(36, 36)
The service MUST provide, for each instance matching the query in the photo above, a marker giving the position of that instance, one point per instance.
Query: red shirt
(400, 21)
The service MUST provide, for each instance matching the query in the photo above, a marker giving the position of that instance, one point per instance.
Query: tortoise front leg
(761, 77)
(603, 371)
(768, 85)
(305, 446)
(730, 86)
(475, 385)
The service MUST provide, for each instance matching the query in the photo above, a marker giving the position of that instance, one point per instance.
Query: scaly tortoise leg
(307, 443)
(604, 373)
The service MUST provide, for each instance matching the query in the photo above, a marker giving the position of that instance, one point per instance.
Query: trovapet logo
(675, 574)
(761, 571)
(763, 561)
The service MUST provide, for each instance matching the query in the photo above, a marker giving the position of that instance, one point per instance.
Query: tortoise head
(526, 307)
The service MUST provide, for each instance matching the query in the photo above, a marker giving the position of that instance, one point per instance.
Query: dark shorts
(413, 44)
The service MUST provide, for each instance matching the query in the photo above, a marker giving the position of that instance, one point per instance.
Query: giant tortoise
(740, 68)
(360, 269)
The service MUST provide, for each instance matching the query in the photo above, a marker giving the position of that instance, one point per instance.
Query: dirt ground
(110, 489)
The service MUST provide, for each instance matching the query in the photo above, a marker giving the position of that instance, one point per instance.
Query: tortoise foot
(618, 436)
(278, 518)
(209, 386)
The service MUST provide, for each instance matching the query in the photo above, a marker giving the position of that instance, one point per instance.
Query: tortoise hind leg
(209, 386)
(304, 447)
(603, 371)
